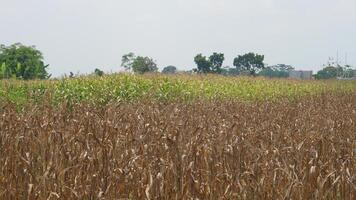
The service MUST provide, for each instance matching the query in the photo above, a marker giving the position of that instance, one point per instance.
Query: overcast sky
(81, 35)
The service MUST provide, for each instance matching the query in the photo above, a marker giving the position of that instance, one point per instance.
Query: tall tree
(213, 64)
(169, 70)
(138, 64)
(24, 62)
(328, 72)
(144, 64)
(127, 60)
(216, 60)
(203, 64)
(249, 62)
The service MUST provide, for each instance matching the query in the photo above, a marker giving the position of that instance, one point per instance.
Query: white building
(300, 74)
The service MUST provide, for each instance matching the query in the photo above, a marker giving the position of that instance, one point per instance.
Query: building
(300, 74)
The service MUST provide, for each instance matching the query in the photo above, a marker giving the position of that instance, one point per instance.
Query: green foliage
(328, 72)
(348, 72)
(211, 65)
(126, 88)
(22, 62)
(203, 64)
(144, 64)
(169, 70)
(127, 59)
(333, 70)
(216, 60)
(138, 64)
(276, 71)
(98, 72)
(3, 71)
(250, 62)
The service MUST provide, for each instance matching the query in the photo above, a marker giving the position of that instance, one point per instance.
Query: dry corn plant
(305, 149)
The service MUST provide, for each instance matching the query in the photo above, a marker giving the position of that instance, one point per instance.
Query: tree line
(249, 63)
(26, 62)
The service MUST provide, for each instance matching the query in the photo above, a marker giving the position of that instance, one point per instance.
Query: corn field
(131, 88)
(296, 146)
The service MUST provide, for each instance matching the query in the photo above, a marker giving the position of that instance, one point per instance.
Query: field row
(302, 149)
(124, 88)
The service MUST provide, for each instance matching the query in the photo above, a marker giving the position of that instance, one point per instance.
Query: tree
(211, 65)
(203, 65)
(249, 62)
(127, 60)
(98, 72)
(138, 64)
(277, 71)
(348, 72)
(331, 70)
(169, 70)
(328, 72)
(216, 60)
(24, 62)
(144, 64)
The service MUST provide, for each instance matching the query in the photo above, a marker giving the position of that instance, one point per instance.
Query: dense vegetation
(126, 87)
(332, 72)
(176, 135)
(22, 62)
(302, 149)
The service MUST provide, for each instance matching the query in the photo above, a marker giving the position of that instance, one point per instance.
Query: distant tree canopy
(329, 72)
(349, 72)
(203, 64)
(276, 71)
(251, 63)
(216, 60)
(138, 64)
(333, 70)
(213, 64)
(22, 62)
(169, 70)
(127, 60)
(98, 72)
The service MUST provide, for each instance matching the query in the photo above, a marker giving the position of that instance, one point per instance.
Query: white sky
(81, 35)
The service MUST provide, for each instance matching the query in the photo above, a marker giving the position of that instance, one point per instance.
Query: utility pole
(337, 57)
(346, 58)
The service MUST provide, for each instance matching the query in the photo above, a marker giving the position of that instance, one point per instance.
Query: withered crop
(221, 149)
